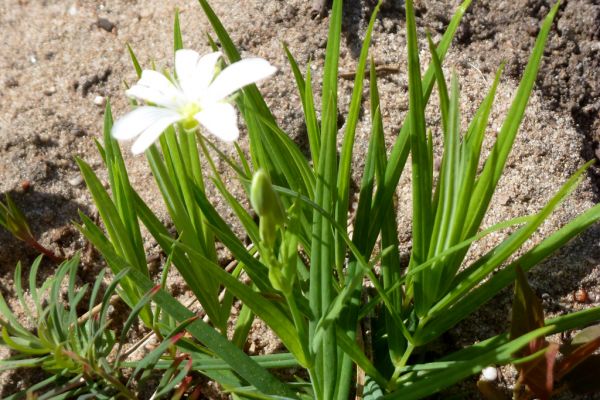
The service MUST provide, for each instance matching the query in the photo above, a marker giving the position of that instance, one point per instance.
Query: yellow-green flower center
(188, 112)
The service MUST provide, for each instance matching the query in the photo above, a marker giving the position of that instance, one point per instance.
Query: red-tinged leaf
(196, 393)
(177, 361)
(87, 370)
(527, 314)
(154, 290)
(175, 338)
(538, 374)
(584, 377)
(576, 357)
(491, 391)
(183, 387)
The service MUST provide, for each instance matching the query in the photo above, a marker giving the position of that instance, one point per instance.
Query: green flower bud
(265, 200)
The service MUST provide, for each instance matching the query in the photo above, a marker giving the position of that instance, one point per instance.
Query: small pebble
(489, 374)
(50, 91)
(72, 10)
(26, 185)
(62, 163)
(105, 24)
(76, 180)
(581, 296)
(99, 100)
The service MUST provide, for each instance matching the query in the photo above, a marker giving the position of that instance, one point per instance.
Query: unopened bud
(265, 200)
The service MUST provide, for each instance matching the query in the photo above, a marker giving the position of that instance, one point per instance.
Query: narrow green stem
(398, 368)
(299, 323)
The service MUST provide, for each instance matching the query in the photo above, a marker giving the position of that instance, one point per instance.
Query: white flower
(200, 95)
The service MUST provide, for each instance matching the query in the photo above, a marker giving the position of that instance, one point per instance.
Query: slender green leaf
(345, 164)
(504, 277)
(239, 362)
(421, 174)
(494, 166)
(440, 379)
(134, 60)
(261, 306)
(306, 96)
(400, 150)
(177, 37)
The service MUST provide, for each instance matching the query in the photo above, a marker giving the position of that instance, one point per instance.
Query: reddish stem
(45, 251)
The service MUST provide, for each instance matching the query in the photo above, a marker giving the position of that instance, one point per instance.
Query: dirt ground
(60, 60)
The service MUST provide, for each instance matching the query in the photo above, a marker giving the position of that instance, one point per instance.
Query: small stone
(41, 140)
(532, 29)
(105, 24)
(76, 180)
(489, 374)
(581, 296)
(62, 163)
(50, 91)
(99, 100)
(72, 10)
(11, 82)
(26, 185)
(32, 58)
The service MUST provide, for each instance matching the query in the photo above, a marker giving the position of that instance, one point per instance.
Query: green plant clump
(303, 274)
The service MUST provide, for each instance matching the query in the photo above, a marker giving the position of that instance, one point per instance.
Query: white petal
(155, 88)
(236, 76)
(221, 120)
(138, 120)
(152, 133)
(195, 73)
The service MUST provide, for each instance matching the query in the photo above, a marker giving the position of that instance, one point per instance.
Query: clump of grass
(83, 354)
(318, 307)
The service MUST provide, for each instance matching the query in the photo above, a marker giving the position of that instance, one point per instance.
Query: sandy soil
(61, 59)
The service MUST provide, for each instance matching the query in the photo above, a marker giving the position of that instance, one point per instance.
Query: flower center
(188, 112)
